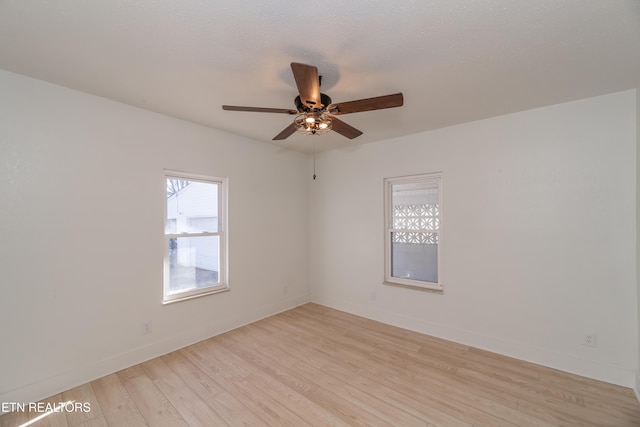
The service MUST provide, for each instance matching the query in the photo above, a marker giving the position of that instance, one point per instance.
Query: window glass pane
(415, 193)
(414, 256)
(424, 216)
(194, 262)
(192, 206)
(414, 221)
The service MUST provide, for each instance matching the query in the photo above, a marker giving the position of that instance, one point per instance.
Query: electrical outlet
(589, 339)
(372, 296)
(146, 327)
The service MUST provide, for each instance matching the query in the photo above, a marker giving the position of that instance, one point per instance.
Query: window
(195, 253)
(413, 231)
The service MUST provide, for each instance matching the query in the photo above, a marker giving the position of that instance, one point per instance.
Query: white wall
(637, 383)
(538, 234)
(81, 223)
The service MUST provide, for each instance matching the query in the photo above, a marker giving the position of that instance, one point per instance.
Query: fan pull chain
(314, 159)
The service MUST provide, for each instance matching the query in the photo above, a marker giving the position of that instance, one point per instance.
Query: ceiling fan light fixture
(315, 111)
(313, 123)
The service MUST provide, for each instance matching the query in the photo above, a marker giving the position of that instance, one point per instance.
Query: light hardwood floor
(317, 366)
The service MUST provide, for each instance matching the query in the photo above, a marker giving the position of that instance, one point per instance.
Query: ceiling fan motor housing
(303, 108)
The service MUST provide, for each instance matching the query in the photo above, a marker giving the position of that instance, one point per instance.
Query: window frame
(389, 230)
(222, 234)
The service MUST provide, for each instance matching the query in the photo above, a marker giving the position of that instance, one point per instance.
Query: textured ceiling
(454, 60)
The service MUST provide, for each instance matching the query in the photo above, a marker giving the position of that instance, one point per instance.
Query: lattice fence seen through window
(416, 222)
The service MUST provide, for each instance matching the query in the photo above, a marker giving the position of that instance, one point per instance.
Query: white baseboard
(565, 362)
(636, 386)
(78, 375)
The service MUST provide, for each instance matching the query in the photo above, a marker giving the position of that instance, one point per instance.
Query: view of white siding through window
(415, 217)
(191, 230)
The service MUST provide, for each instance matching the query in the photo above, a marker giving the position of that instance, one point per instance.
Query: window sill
(433, 289)
(188, 297)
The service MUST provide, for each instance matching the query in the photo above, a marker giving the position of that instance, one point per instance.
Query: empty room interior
(338, 213)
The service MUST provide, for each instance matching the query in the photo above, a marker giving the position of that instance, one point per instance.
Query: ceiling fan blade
(308, 84)
(286, 133)
(259, 109)
(344, 129)
(368, 104)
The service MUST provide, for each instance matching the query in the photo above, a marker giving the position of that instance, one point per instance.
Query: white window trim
(388, 229)
(222, 233)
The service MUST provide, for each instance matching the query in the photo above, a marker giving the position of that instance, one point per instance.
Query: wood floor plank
(297, 403)
(271, 362)
(617, 408)
(100, 421)
(418, 408)
(267, 409)
(560, 415)
(234, 412)
(115, 402)
(188, 404)
(150, 401)
(267, 374)
(13, 419)
(90, 412)
(330, 349)
(270, 411)
(483, 356)
(350, 412)
(558, 378)
(198, 380)
(276, 343)
(522, 389)
(229, 408)
(373, 405)
(480, 401)
(456, 409)
(55, 417)
(313, 365)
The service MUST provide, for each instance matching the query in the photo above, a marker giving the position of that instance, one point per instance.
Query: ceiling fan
(315, 113)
